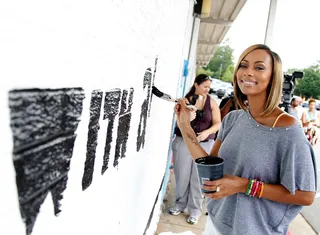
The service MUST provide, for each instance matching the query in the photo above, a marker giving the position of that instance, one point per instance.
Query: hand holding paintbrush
(167, 97)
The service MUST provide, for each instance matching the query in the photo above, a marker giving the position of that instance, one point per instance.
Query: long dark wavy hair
(199, 79)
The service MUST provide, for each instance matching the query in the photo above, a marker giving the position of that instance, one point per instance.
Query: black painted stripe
(123, 126)
(152, 211)
(95, 108)
(111, 110)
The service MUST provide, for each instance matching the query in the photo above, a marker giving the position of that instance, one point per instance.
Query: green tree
(220, 61)
(309, 86)
(203, 71)
(228, 74)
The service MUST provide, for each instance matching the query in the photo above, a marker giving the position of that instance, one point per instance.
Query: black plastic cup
(209, 168)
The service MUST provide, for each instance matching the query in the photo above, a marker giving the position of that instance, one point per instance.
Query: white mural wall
(84, 143)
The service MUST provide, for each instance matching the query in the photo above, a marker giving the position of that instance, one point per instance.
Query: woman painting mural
(269, 166)
(205, 123)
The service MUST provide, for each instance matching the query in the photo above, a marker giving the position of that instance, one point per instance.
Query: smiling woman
(269, 165)
(257, 70)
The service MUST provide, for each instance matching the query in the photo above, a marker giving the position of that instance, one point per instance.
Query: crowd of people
(263, 148)
(308, 118)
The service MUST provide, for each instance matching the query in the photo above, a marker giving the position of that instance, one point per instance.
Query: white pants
(188, 190)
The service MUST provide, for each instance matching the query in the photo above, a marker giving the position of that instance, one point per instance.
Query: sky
(296, 34)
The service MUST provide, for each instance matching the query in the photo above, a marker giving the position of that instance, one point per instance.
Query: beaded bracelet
(255, 188)
(254, 192)
(251, 181)
(261, 191)
(251, 187)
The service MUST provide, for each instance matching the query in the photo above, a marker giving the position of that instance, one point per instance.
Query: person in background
(311, 122)
(269, 166)
(296, 110)
(205, 124)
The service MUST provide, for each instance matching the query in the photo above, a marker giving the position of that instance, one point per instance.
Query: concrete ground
(312, 213)
(178, 224)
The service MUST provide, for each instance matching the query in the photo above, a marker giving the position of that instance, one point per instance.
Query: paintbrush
(167, 97)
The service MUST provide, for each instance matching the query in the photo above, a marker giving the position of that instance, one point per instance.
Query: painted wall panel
(84, 143)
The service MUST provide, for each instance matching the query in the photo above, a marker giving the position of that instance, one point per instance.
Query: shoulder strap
(226, 108)
(277, 119)
(208, 101)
